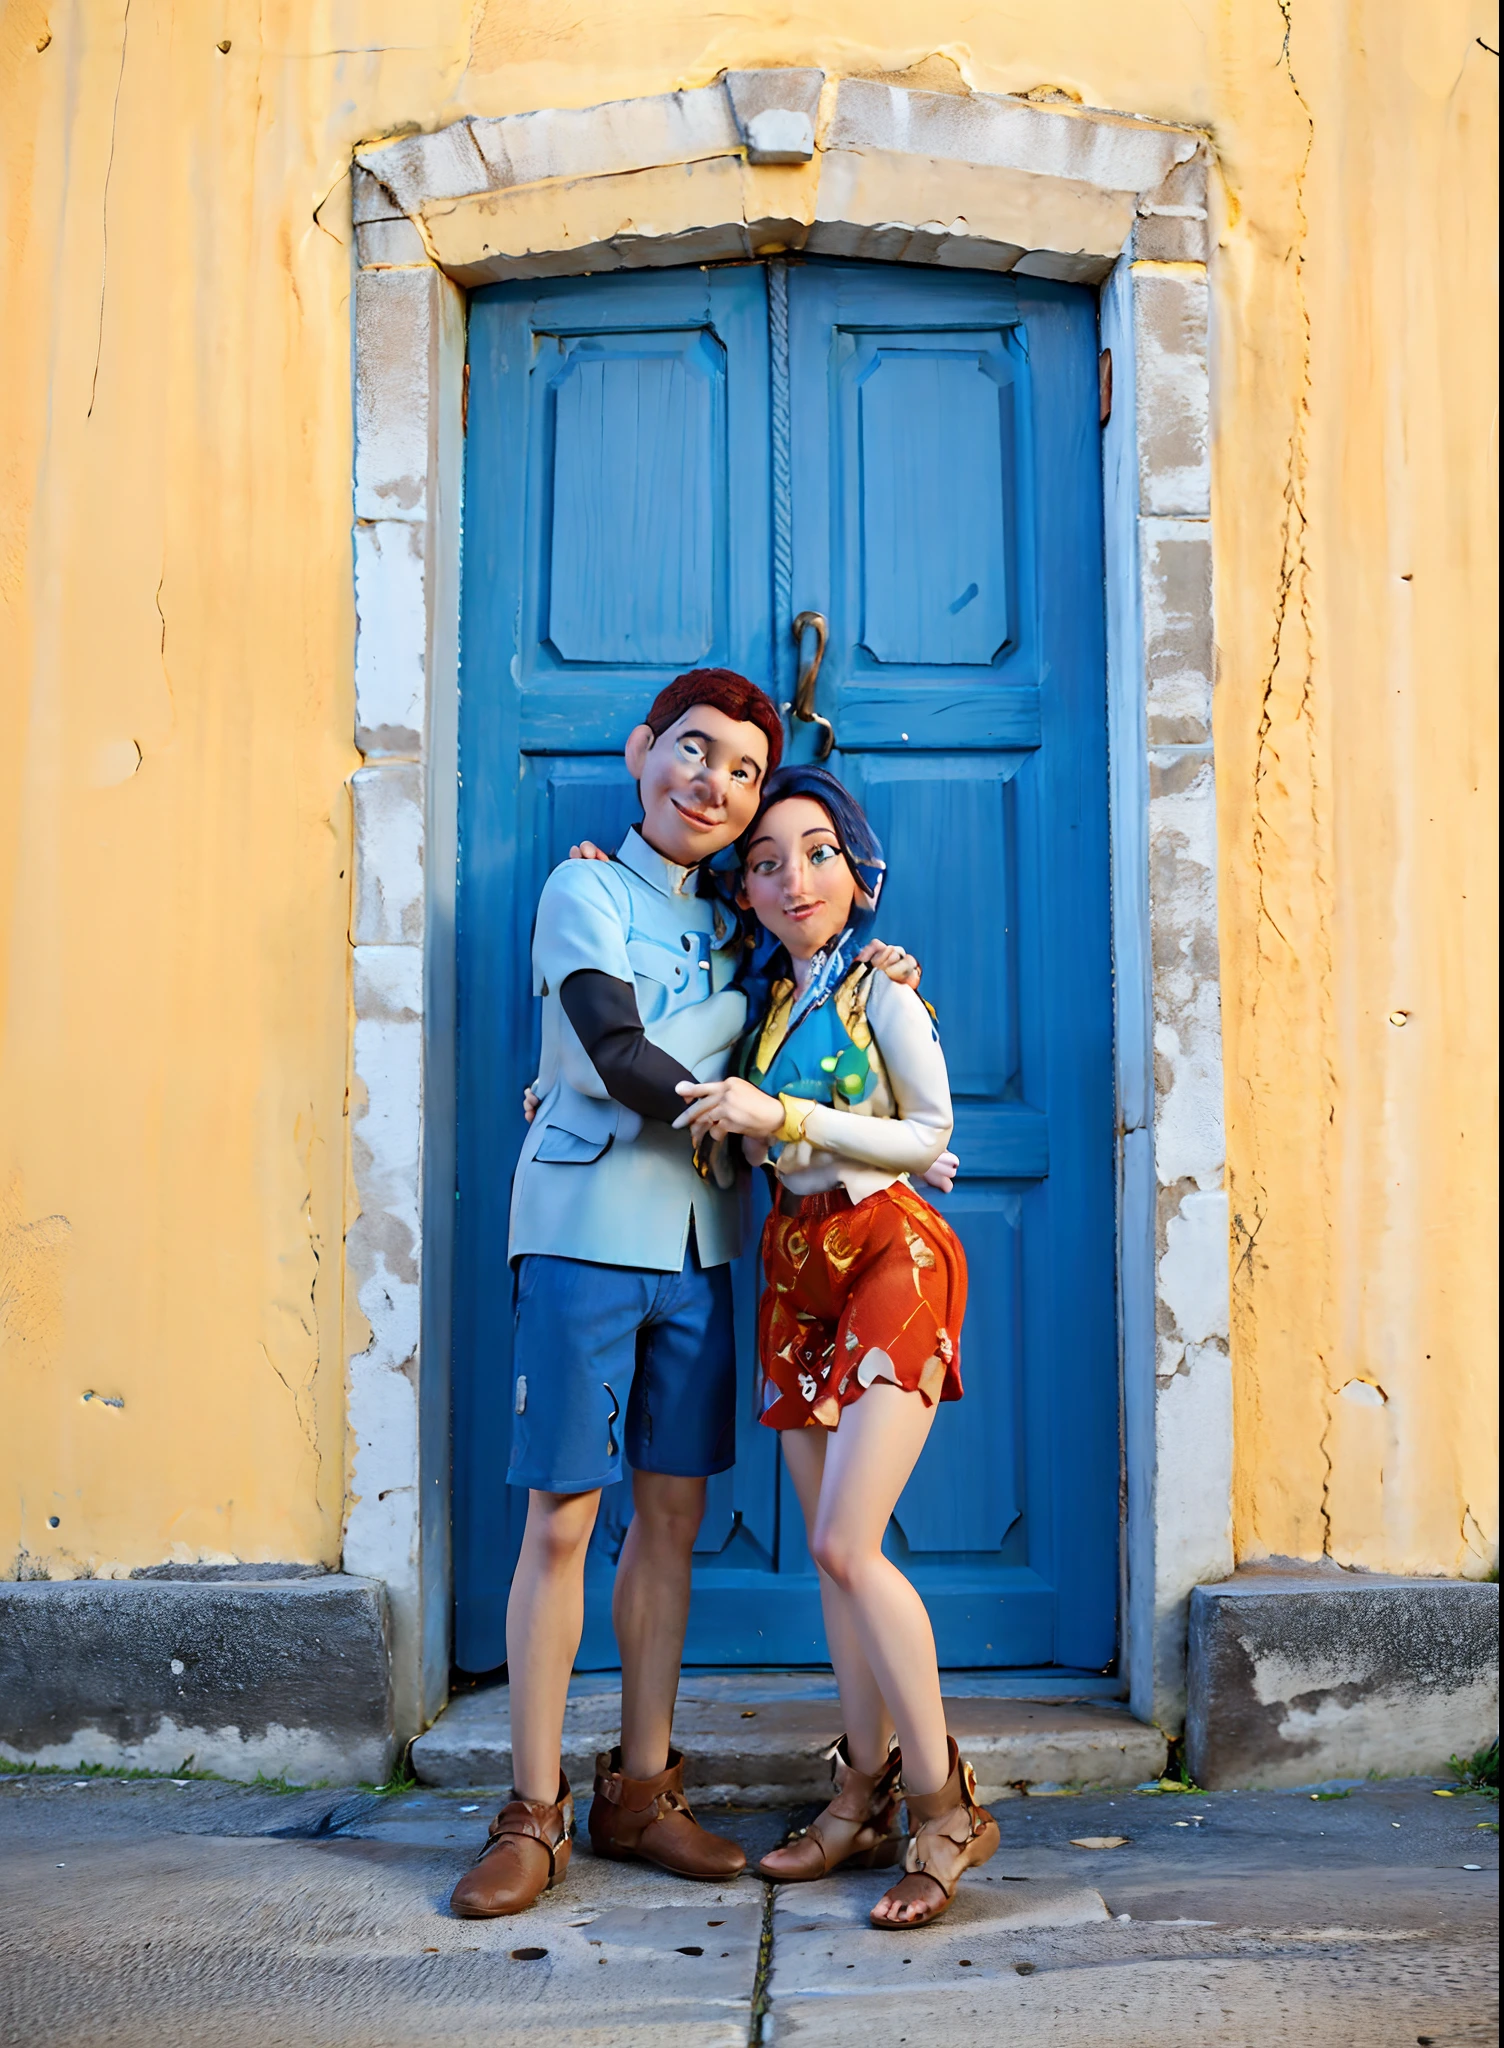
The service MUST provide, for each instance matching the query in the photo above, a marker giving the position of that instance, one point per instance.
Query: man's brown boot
(527, 1855)
(649, 1819)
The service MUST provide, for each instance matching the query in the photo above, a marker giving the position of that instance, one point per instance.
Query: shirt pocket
(577, 1132)
(667, 971)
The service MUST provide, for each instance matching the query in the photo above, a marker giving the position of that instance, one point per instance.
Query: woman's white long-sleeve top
(900, 1130)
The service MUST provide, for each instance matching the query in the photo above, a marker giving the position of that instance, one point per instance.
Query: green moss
(184, 1770)
(1478, 1772)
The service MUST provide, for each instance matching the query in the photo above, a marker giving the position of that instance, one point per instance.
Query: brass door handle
(809, 672)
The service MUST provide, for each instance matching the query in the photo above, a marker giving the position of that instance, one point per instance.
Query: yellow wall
(177, 676)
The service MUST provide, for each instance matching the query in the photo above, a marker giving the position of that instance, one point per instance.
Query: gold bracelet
(795, 1116)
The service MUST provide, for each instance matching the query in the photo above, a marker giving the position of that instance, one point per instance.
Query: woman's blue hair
(765, 960)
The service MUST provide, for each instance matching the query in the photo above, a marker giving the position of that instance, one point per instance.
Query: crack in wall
(308, 1427)
(172, 702)
(109, 172)
(312, 1326)
(310, 1319)
(1325, 1510)
(1292, 644)
(1475, 1543)
(1307, 713)
(337, 240)
(1248, 1240)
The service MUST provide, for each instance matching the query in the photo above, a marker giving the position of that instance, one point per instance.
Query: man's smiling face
(699, 781)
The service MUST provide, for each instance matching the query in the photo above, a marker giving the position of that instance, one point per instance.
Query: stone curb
(776, 1752)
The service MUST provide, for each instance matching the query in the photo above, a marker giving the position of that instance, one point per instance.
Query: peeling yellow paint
(176, 613)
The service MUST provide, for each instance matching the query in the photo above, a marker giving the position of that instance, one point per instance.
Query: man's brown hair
(728, 692)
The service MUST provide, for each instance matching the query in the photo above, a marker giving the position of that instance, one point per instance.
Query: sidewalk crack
(762, 1999)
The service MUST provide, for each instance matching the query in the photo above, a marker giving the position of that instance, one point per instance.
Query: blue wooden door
(661, 470)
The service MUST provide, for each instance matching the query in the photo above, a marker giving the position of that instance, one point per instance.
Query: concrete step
(752, 1740)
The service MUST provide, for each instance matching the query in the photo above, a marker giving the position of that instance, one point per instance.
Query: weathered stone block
(382, 1251)
(675, 214)
(416, 169)
(370, 200)
(382, 1244)
(888, 206)
(1189, 1137)
(388, 905)
(1176, 575)
(1174, 393)
(396, 349)
(284, 1677)
(775, 111)
(391, 637)
(1172, 238)
(1193, 1502)
(607, 140)
(388, 244)
(1304, 1674)
(1105, 152)
(1193, 1276)
(386, 1148)
(1183, 189)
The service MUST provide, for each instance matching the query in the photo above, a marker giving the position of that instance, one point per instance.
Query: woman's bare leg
(869, 1725)
(867, 1465)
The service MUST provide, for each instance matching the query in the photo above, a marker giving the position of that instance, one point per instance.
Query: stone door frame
(756, 164)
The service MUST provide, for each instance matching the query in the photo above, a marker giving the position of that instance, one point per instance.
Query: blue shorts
(610, 1359)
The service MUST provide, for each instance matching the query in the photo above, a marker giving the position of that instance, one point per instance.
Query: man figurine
(624, 1335)
(624, 1339)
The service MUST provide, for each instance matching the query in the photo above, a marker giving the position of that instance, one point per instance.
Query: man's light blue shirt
(595, 1180)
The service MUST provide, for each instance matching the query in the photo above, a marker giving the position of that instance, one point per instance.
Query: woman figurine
(843, 1085)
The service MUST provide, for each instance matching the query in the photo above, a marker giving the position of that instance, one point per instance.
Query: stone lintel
(1110, 152)
(978, 181)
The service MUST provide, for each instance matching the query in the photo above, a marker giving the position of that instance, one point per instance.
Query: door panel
(944, 500)
(946, 520)
(936, 815)
(975, 1442)
(933, 453)
(605, 550)
(636, 525)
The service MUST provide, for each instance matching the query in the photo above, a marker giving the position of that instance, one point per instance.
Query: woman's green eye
(823, 855)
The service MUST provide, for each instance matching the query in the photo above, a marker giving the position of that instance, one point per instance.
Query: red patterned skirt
(845, 1279)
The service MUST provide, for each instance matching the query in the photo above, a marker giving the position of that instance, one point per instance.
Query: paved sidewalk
(164, 1914)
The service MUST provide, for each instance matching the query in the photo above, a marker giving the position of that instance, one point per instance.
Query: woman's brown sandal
(950, 1833)
(859, 1828)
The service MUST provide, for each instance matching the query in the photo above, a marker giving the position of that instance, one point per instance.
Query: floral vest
(829, 1056)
